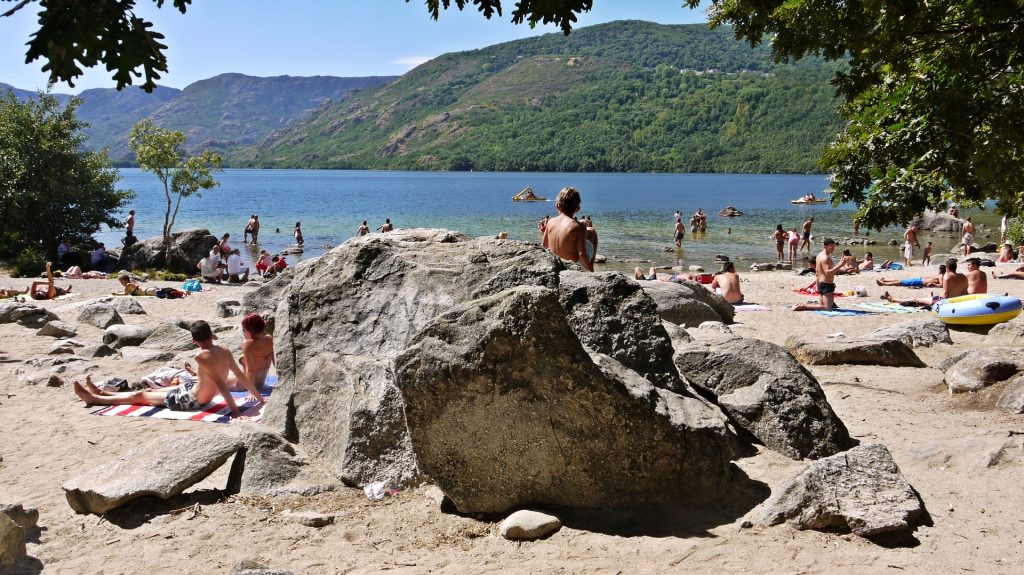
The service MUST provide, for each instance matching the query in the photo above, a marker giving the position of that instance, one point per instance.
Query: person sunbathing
(638, 274)
(848, 264)
(915, 282)
(953, 285)
(134, 289)
(76, 273)
(257, 351)
(11, 292)
(214, 365)
(1017, 274)
(46, 289)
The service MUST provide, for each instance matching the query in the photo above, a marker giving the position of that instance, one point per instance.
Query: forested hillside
(625, 96)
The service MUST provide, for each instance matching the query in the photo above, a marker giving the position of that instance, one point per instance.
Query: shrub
(1015, 232)
(29, 263)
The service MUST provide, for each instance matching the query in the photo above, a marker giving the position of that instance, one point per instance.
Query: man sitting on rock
(566, 237)
(214, 365)
(727, 284)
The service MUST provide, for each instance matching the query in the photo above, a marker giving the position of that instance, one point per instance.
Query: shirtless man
(680, 232)
(953, 285)
(807, 236)
(248, 228)
(727, 284)
(363, 229)
(564, 236)
(257, 352)
(910, 237)
(977, 281)
(129, 224)
(968, 235)
(386, 226)
(825, 273)
(214, 363)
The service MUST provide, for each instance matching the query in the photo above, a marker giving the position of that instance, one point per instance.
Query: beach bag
(170, 293)
(192, 285)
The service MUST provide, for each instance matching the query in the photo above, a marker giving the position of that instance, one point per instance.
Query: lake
(632, 212)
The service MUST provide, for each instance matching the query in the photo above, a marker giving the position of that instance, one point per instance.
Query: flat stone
(887, 352)
(26, 314)
(308, 518)
(924, 332)
(92, 351)
(124, 305)
(1010, 330)
(973, 453)
(861, 490)
(528, 525)
(118, 336)
(170, 336)
(56, 328)
(163, 468)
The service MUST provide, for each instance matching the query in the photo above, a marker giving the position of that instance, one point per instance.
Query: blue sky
(307, 38)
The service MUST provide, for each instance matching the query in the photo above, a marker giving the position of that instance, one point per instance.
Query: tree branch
(17, 7)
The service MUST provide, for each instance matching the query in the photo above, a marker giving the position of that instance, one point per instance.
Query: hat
(201, 331)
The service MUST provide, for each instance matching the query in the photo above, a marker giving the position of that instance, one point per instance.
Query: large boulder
(187, 248)
(171, 335)
(688, 303)
(978, 370)
(101, 315)
(612, 315)
(26, 314)
(124, 305)
(267, 466)
(768, 393)
(57, 328)
(887, 352)
(861, 490)
(163, 468)
(507, 409)
(1012, 398)
(938, 222)
(121, 335)
(342, 317)
(924, 332)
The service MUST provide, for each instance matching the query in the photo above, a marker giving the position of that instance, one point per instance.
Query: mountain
(623, 96)
(226, 111)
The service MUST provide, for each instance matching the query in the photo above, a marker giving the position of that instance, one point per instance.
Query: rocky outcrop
(26, 314)
(938, 222)
(688, 303)
(1012, 398)
(12, 542)
(915, 333)
(888, 352)
(612, 315)
(341, 319)
(768, 393)
(187, 248)
(163, 468)
(124, 305)
(861, 490)
(170, 335)
(498, 430)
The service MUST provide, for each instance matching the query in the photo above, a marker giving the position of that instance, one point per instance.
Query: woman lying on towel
(132, 288)
(46, 289)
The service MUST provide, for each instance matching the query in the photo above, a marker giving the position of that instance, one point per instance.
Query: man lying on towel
(214, 362)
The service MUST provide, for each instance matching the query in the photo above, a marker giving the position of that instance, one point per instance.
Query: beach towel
(214, 412)
(745, 307)
(842, 312)
(889, 307)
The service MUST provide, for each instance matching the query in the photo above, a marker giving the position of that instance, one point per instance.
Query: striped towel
(215, 412)
(841, 312)
(889, 307)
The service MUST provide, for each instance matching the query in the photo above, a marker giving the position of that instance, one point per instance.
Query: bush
(29, 263)
(1015, 232)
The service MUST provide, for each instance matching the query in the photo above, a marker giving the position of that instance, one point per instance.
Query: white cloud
(411, 61)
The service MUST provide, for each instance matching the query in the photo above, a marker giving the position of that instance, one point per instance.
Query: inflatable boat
(802, 201)
(978, 309)
(527, 195)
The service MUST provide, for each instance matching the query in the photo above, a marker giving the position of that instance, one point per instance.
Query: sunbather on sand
(76, 273)
(11, 292)
(638, 274)
(953, 285)
(915, 282)
(46, 289)
(132, 288)
(257, 351)
(1017, 274)
(215, 363)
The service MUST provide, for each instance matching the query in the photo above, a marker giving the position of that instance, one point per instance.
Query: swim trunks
(968, 238)
(680, 235)
(912, 282)
(807, 235)
(182, 397)
(908, 250)
(826, 288)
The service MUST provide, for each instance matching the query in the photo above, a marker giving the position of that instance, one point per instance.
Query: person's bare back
(563, 235)
(727, 284)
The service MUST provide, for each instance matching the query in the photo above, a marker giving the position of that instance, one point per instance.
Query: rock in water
(768, 393)
(861, 490)
(612, 315)
(163, 468)
(529, 525)
(507, 409)
(890, 352)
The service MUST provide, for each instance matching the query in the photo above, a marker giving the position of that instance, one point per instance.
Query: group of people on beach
(796, 242)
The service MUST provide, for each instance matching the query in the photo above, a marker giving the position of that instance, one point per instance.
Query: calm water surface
(632, 212)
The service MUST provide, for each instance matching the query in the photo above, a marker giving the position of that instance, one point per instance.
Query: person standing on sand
(566, 237)
(363, 229)
(825, 273)
(680, 230)
(926, 257)
(807, 235)
(214, 364)
(298, 234)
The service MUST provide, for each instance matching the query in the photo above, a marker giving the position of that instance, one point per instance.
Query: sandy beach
(939, 442)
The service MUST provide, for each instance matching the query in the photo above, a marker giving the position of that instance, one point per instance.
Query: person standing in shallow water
(298, 234)
(566, 237)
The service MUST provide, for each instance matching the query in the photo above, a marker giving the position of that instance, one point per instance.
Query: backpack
(192, 285)
(170, 293)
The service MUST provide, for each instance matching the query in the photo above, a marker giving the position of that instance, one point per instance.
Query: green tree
(158, 150)
(49, 187)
